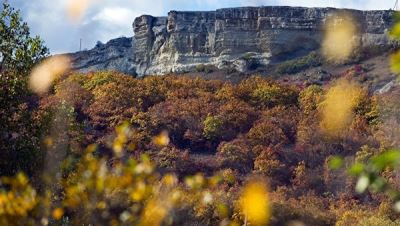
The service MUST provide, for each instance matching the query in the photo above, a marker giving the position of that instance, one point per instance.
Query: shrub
(309, 210)
(234, 117)
(235, 155)
(310, 98)
(266, 133)
(354, 217)
(268, 163)
(174, 160)
(212, 127)
(260, 93)
(19, 141)
(183, 119)
(286, 118)
(271, 95)
(378, 221)
(294, 66)
(204, 68)
(114, 103)
(97, 79)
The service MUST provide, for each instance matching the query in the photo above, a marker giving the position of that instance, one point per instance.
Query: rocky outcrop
(233, 37)
(115, 55)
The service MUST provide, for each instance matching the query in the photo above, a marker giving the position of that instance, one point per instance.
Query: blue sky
(106, 19)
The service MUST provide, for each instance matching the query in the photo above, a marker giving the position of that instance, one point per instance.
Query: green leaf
(335, 162)
(357, 169)
(387, 159)
(378, 184)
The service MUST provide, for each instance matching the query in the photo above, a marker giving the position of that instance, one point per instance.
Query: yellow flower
(58, 213)
(254, 203)
(118, 147)
(3, 200)
(101, 205)
(139, 192)
(339, 42)
(337, 108)
(91, 148)
(170, 180)
(162, 139)
(395, 61)
(48, 141)
(22, 179)
(131, 147)
(154, 213)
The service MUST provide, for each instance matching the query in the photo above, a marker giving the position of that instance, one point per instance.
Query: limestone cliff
(115, 55)
(227, 38)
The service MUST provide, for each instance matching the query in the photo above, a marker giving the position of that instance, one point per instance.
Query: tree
(266, 132)
(18, 50)
(18, 54)
(235, 155)
(184, 119)
(236, 117)
(310, 98)
(212, 127)
(268, 163)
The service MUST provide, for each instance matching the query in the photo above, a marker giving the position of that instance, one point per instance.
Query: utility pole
(396, 5)
(80, 44)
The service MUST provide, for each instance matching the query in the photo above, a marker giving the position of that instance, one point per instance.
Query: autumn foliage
(104, 148)
(231, 134)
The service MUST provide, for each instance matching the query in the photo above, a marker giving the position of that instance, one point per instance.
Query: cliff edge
(238, 38)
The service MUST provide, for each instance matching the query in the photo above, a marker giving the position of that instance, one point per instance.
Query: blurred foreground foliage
(127, 191)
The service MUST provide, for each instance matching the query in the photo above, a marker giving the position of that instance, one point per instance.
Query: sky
(107, 19)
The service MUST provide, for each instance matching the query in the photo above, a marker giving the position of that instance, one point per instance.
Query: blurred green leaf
(335, 162)
(387, 159)
(357, 169)
(378, 184)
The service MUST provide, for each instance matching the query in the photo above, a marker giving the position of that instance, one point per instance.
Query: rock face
(115, 55)
(233, 37)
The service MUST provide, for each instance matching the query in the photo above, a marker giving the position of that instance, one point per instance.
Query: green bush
(300, 64)
(235, 155)
(271, 95)
(204, 68)
(212, 127)
(98, 79)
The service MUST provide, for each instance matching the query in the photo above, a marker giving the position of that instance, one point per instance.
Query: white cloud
(113, 16)
(113, 21)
